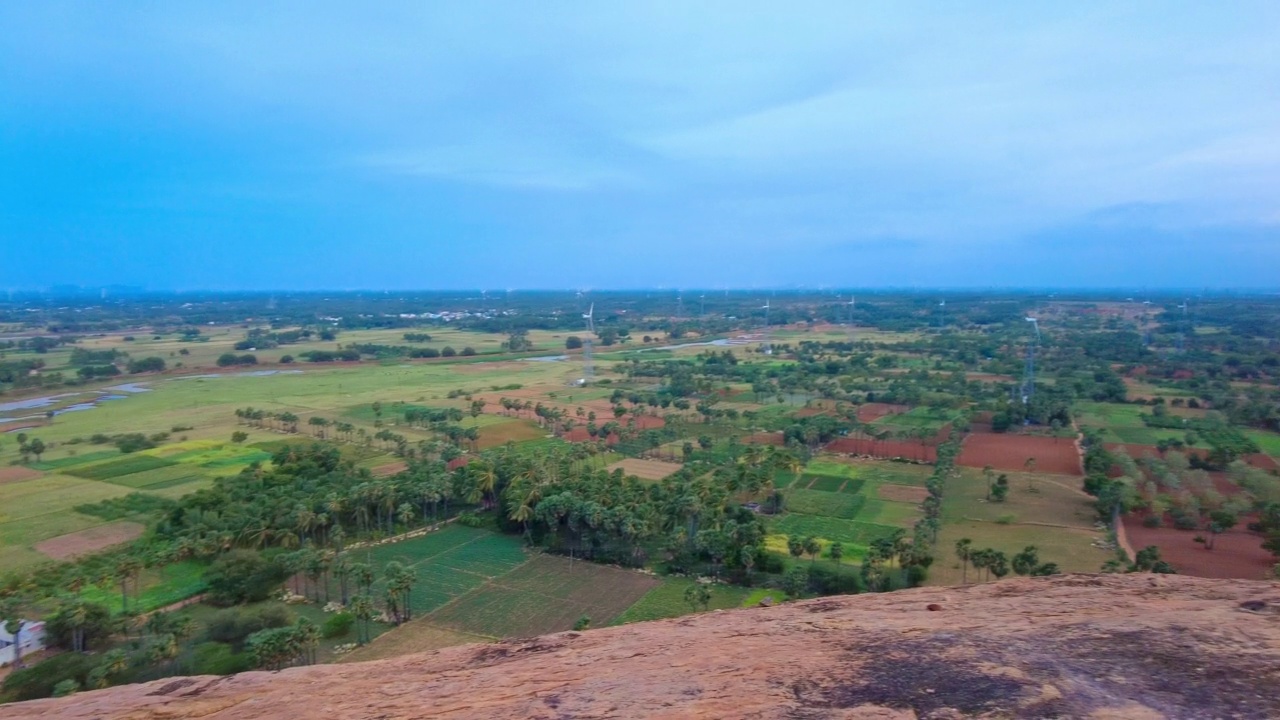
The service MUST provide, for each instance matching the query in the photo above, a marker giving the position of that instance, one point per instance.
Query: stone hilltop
(1074, 646)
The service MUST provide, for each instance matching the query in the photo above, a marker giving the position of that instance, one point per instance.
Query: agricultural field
(1048, 511)
(667, 601)
(547, 594)
(841, 500)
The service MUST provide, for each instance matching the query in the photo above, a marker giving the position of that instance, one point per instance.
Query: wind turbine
(588, 369)
(768, 345)
(1029, 376)
(942, 314)
(1182, 329)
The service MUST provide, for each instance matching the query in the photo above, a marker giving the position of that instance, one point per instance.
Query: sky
(322, 145)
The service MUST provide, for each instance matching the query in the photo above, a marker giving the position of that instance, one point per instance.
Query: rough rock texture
(1102, 646)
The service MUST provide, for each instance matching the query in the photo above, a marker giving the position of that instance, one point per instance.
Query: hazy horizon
(312, 147)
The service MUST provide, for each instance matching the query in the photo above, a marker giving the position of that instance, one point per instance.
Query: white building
(30, 635)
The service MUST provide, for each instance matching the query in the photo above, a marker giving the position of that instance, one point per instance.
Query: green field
(40, 509)
(817, 502)
(450, 562)
(667, 601)
(126, 465)
(156, 588)
(1268, 442)
(546, 594)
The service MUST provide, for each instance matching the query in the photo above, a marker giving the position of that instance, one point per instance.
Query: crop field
(41, 509)
(1268, 442)
(91, 540)
(159, 478)
(127, 465)
(667, 601)
(828, 528)
(818, 502)
(74, 460)
(645, 469)
(450, 562)
(546, 594)
(1005, 451)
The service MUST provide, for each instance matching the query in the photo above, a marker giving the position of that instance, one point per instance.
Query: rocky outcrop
(1100, 646)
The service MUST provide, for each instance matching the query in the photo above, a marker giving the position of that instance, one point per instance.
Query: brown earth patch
(887, 449)
(485, 367)
(1237, 553)
(1006, 451)
(765, 438)
(390, 469)
(90, 540)
(869, 412)
(902, 493)
(645, 469)
(15, 473)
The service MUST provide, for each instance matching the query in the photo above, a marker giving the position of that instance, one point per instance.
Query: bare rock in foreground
(1076, 646)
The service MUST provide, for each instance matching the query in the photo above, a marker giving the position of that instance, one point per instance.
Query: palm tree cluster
(278, 648)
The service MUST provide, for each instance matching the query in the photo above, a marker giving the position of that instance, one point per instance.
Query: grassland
(1047, 511)
(667, 601)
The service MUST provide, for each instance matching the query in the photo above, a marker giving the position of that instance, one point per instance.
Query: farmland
(563, 504)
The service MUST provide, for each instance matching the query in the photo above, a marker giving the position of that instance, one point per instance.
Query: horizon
(238, 148)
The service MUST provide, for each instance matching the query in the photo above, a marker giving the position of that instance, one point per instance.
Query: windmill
(1182, 328)
(702, 305)
(768, 346)
(1029, 375)
(942, 314)
(588, 369)
(853, 301)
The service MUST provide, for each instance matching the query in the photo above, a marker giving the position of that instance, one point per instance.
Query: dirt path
(1122, 538)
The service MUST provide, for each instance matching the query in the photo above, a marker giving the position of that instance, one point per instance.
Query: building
(31, 635)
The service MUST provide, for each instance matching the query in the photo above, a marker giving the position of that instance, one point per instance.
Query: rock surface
(1090, 646)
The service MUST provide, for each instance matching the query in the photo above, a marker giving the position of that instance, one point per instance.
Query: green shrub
(337, 625)
(216, 658)
(242, 576)
(40, 680)
(233, 625)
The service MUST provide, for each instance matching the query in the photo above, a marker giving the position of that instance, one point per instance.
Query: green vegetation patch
(667, 601)
(73, 460)
(795, 524)
(121, 467)
(547, 594)
(830, 504)
(159, 587)
(158, 478)
(826, 483)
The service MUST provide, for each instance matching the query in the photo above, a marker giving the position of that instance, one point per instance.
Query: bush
(337, 625)
(1151, 521)
(468, 351)
(40, 680)
(242, 576)
(151, 364)
(233, 625)
(215, 658)
(286, 359)
(97, 625)
(448, 351)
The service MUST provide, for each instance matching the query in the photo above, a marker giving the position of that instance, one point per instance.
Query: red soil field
(1236, 554)
(870, 412)
(1262, 461)
(580, 434)
(1010, 452)
(390, 469)
(886, 449)
(765, 438)
(16, 473)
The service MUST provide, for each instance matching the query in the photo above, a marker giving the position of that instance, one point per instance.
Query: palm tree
(963, 552)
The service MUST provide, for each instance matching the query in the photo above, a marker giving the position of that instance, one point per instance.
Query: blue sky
(462, 145)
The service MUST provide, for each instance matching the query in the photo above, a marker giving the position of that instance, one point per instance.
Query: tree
(964, 553)
(242, 576)
(11, 621)
(698, 595)
(36, 447)
(1220, 521)
(795, 582)
(363, 610)
(239, 436)
(1026, 562)
(1000, 491)
(811, 548)
(795, 546)
(836, 552)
